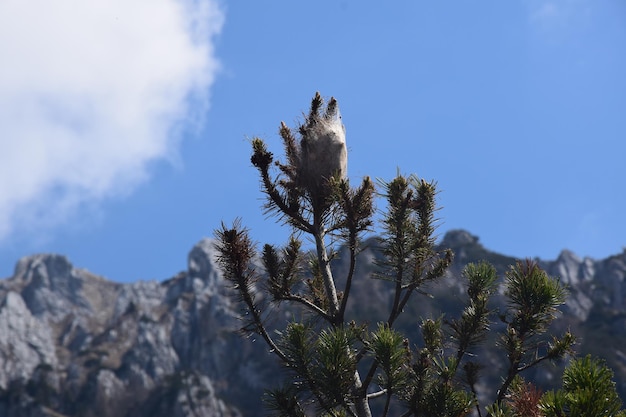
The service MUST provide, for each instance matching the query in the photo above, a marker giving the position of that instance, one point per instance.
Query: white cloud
(90, 94)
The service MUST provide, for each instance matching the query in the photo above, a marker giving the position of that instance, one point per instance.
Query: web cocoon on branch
(323, 152)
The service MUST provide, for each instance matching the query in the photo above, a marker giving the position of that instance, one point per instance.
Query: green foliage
(440, 400)
(322, 366)
(408, 242)
(588, 390)
(297, 344)
(392, 354)
(534, 298)
(284, 402)
(533, 301)
(338, 365)
(471, 328)
(282, 271)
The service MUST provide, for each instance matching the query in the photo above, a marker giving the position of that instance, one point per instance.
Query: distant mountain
(75, 344)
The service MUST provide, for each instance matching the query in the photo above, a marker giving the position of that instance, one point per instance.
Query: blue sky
(122, 147)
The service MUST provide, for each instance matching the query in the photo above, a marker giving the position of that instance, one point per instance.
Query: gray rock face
(25, 343)
(75, 344)
(106, 349)
(592, 283)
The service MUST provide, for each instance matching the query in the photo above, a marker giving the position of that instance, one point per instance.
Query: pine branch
(357, 209)
(533, 299)
(324, 265)
(235, 253)
(300, 352)
(308, 304)
(286, 207)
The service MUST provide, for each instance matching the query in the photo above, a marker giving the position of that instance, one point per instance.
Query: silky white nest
(323, 151)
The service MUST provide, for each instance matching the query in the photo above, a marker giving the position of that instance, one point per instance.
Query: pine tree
(340, 366)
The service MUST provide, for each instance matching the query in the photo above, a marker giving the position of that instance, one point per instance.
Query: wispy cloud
(545, 11)
(551, 16)
(90, 94)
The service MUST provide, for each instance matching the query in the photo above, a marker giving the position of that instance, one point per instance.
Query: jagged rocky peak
(612, 283)
(52, 287)
(201, 256)
(570, 268)
(202, 261)
(457, 237)
(573, 271)
(467, 248)
(203, 274)
(44, 267)
(113, 348)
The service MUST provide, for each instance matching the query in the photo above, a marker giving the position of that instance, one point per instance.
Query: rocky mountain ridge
(75, 344)
(100, 348)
